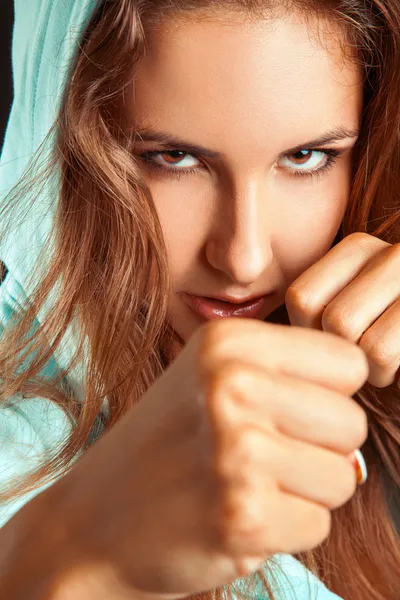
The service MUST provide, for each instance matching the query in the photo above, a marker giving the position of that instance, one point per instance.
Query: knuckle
(358, 236)
(339, 320)
(382, 355)
(232, 374)
(242, 511)
(216, 334)
(239, 518)
(227, 380)
(211, 336)
(241, 498)
(298, 299)
(250, 444)
(379, 352)
(239, 452)
(234, 386)
(216, 342)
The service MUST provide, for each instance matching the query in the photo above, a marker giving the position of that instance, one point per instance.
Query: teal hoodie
(45, 40)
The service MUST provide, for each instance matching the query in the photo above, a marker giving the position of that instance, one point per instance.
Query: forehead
(253, 79)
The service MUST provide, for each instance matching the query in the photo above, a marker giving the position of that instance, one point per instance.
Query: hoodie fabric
(45, 41)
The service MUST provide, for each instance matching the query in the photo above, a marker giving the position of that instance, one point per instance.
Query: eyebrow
(172, 142)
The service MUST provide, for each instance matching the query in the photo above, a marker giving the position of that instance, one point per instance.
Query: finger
(308, 297)
(381, 344)
(250, 456)
(247, 394)
(367, 297)
(323, 358)
(313, 473)
(305, 525)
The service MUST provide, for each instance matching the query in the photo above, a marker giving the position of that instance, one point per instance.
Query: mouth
(211, 308)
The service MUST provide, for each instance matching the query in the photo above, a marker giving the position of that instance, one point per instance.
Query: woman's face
(262, 199)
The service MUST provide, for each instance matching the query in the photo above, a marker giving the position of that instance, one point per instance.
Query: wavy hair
(105, 210)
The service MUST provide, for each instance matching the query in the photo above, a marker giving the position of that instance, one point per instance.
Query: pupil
(302, 155)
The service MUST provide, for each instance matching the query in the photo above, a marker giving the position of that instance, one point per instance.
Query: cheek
(308, 236)
(172, 200)
(184, 208)
(309, 218)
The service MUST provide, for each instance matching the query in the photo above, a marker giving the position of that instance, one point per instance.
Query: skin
(244, 223)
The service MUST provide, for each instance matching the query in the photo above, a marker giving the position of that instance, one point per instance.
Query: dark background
(6, 23)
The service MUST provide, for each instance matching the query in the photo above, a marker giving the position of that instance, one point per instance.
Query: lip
(216, 309)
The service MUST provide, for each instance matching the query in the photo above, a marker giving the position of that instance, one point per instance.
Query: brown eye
(301, 158)
(174, 157)
(305, 161)
(176, 160)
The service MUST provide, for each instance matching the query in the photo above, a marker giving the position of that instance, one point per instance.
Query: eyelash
(332, 156)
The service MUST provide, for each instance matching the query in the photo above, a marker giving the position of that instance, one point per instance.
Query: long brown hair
(107, 243)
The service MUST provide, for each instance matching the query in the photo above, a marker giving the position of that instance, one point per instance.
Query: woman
(202, 149)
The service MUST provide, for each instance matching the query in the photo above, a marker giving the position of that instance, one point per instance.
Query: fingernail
(360, 466)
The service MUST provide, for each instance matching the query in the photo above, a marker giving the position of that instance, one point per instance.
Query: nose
(239, 242)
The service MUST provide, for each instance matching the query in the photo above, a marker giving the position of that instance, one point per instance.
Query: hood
(45, 42)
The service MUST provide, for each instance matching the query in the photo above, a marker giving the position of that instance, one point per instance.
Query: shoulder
(291, 580)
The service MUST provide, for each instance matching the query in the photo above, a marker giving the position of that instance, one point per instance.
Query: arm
(30, 550)
(44, 555)
(29, 543)
(41, 558)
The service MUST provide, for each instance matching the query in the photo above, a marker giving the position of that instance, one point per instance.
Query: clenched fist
(239, 451)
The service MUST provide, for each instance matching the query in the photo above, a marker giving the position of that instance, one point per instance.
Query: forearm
(41, 558)
(36, 550)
